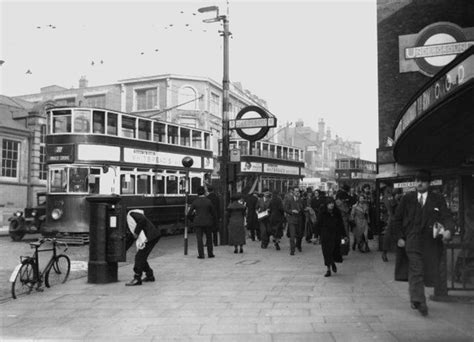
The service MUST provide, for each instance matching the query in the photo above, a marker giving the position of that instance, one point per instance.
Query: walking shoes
(421, 307)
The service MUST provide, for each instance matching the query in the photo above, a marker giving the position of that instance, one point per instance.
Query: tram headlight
(56, 214)
(19, 213)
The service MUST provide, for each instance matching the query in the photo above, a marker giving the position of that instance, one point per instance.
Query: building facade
(321, 149)
(23, 171)
(426, 73)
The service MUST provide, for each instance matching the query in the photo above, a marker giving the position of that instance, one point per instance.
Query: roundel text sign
(252, 123)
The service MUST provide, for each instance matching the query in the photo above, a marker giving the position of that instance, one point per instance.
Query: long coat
(414, 224)
(360, 215)
(202, 212)
(236, 223)
(252, 220)
(215, 202)
(332, 231)
(277, 216)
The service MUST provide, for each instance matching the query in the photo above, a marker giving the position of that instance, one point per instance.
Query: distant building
(321, 149)
(23, 171)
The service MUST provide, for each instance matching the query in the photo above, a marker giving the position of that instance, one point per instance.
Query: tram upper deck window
(62, 121)
(112, 123)
(264, 150)
(207, 141)
(159, 132)
(98, 122)
(127, 184)
(172, 135)
(290, 154)
(144, 129)
(82, 121)
(272, 151)
(197, 139)
(58, 180)
(278, 152)
(128, 126)
(185, 135)
(285, 152)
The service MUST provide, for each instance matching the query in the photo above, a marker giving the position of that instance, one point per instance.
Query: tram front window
(82, 121)
(78, 179)
(58, 180)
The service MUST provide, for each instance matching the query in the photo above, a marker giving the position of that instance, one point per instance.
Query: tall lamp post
(225, 114)
(187, 163)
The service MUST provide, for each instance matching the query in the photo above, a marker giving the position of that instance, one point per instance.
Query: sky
(308, 59)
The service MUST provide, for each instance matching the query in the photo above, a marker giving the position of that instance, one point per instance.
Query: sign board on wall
(282, 169)
(429, 50)
(134, 155)
(250, 167)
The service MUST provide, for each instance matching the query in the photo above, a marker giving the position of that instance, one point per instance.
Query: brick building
(425, 86)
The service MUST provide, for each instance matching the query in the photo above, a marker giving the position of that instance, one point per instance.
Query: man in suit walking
(215, 202)
(293, 209)
(412, 226)
(202, 214)
(146, 236)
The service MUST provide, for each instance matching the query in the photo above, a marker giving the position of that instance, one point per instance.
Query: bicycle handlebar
(53, 240)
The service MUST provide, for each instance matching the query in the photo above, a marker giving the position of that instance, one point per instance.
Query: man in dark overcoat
(202, 214)
(294, 208)
(412, 227)
(216, 203)
(252, 221)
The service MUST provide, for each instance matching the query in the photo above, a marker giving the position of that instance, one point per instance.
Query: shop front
(435, 131)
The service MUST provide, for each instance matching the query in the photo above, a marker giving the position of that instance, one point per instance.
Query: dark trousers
(200, 231)
(141, 263)
(416, 285)
(296, 235)
(264, 232)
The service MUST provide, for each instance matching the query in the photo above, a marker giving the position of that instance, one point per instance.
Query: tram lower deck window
(127, 184)
(143, 184)
(78, 179)
(58, 180)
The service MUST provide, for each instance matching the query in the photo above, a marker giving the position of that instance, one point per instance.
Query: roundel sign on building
(433, 47)
(253, 123)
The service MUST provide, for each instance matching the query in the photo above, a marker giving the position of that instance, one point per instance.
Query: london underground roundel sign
(264, 121)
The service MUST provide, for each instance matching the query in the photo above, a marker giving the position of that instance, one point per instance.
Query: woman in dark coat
(276, 219)
(332, 231)
(236, 214)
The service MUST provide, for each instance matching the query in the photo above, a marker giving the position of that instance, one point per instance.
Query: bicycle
(27, 274)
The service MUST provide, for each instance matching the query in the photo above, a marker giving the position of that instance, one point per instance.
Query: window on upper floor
(215, 104)
(96, 100)
(187, 98)
(185, 136)
(172, 135)
(10, 158)
(128, 126)
(144, 129)
(159, 132)
(146, 98)
(82, 121)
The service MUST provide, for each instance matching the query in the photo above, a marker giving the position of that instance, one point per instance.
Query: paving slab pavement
(260, 295)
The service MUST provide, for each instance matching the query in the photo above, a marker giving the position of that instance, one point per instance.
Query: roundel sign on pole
(252, 123)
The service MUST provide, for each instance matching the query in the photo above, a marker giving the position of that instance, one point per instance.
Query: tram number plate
(113, 222)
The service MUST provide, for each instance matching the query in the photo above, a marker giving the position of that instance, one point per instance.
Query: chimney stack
(83, 82)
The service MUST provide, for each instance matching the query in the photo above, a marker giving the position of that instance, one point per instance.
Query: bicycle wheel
(24, 280)
(59, 271)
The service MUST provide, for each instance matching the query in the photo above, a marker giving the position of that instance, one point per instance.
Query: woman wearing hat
(332, 232)
(236, 214)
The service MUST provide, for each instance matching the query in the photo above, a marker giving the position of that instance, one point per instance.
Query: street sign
(264, 122)
(252, 123)
(235, 155)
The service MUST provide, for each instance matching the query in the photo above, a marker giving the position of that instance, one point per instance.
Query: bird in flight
(28, 72)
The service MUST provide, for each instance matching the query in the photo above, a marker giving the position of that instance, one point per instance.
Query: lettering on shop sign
(436, 92)
(133, 155)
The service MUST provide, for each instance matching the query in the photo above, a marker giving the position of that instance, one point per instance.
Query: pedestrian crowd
(417, 222)
(304, 214)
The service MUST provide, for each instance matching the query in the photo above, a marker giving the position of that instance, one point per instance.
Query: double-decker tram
(93, 151)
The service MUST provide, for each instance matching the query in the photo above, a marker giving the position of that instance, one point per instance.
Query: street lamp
(187, 163)
(225, 113)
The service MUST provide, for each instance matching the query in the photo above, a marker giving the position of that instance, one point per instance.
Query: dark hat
(346, 187)
(201, 191)
(423, 175)
(236, 197)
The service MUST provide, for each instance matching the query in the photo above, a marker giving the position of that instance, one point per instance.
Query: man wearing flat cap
(412, 226)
